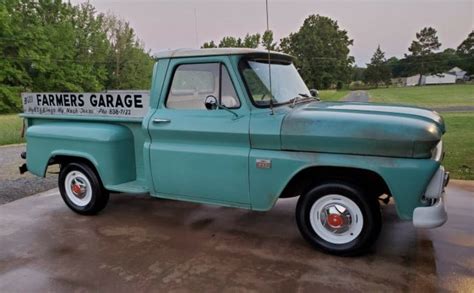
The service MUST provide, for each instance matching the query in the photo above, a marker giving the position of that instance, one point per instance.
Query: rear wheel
(338, 218)
(81, 189)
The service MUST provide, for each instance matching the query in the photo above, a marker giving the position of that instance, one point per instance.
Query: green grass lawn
(459, 145)
(10, 129)
(332, 95)
(426, 96)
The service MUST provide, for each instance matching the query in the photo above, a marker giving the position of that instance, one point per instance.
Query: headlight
(437, 151)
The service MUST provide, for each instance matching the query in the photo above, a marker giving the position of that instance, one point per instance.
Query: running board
(129, 187)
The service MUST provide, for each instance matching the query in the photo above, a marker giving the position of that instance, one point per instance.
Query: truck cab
(239, 128)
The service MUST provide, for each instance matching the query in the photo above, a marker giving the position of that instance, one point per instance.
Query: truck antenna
(269, 63)
(196, 28)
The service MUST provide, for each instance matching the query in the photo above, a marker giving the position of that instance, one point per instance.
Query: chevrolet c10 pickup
(239, 128)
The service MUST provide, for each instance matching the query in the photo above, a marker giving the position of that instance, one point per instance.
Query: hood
(363, 129)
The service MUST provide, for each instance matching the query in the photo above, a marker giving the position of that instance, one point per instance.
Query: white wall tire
(339, 218)
(81, 188)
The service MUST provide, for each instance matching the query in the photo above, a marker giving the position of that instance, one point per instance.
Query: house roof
(212, 52)
(456, 69)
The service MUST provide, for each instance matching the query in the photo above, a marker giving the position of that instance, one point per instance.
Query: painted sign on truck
(115, 103)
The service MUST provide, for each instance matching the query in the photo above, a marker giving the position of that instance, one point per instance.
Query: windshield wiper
(300, 97)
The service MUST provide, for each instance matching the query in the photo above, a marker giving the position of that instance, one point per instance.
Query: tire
(82, 189)
(337, 218)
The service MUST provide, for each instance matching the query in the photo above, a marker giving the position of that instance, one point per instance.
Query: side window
(192, 83)
(228, 95)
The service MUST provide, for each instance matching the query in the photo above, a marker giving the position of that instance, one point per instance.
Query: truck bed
(105, 136)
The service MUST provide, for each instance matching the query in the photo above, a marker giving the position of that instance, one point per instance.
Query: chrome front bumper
(435, 214)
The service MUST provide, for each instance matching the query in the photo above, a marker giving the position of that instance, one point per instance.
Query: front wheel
(81, 189)
(337, 218)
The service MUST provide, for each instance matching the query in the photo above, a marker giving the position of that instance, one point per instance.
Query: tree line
(423, 59)
(52, 46)
(48, 45)
(322, 49)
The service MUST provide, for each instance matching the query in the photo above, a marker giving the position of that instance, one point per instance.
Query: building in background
(452, 76)
(440, 78)
(460, 74)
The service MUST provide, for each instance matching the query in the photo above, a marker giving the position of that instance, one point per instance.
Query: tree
(51, 45)
(249, 41)
(321, 49)
(422, 51)
(377, 70)
(230, 42)
(207, 45)
(267, 40)
(465, 52)
(358, 73)
(129, 66)
(467, 46)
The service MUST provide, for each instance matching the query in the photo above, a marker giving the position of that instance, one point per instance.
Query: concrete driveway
(143, 244)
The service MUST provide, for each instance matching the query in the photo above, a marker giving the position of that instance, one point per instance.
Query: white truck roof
(212, 51)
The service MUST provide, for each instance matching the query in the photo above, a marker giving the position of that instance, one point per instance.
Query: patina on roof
(212, 52)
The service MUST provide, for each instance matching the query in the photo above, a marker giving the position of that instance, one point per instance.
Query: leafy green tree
(207, 45)
(321, 49)
(230, 42)
(51, 45)
(467, 46)
(129, 66)
(422, 51)
(465, 51)
(249, 41)
(377, 70)
(267, 41)
(358, 73)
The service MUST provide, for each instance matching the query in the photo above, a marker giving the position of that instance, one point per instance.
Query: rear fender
(108, 147)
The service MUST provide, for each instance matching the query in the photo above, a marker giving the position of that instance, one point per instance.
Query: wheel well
(370, 181)
(64, 160)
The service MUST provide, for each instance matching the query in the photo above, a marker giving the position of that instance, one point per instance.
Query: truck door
(196, 153)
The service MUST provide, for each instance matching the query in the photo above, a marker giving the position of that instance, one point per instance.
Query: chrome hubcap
(78, 187)
(336, 218)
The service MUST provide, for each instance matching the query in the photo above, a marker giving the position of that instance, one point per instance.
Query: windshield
(286, 81)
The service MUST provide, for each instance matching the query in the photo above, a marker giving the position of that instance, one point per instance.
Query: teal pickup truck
(212, 131)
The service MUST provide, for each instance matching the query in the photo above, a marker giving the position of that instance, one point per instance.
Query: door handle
(160, 120)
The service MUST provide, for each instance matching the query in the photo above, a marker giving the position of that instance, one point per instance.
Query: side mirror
(211, 103)
(314, 93)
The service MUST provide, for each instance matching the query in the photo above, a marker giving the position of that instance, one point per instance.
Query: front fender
(406, 178)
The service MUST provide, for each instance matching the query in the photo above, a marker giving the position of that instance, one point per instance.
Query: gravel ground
(357, 96)
(13, 185)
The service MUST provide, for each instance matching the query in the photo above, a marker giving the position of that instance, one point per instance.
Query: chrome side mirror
(211, 103)
(314, 93)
